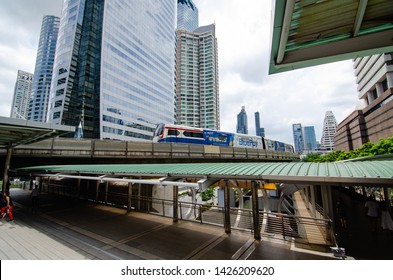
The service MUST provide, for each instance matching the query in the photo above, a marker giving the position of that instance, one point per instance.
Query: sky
(243, 31)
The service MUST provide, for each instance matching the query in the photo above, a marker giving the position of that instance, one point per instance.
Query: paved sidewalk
(77, 230)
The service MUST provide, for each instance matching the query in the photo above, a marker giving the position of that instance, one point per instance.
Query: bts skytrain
(171, 133)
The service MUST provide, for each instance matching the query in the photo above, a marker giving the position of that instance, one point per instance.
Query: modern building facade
(309, 139)
(42, 79)
(187, 15)
(328, 131)
(20, 102)
(298, 137)
(114, 68)
(374, 76)
(259, 131)
(242, 125)
(197, 78)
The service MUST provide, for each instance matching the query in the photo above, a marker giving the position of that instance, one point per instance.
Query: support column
(255, 210)
(325, 201)
(313, 202)
(129, 197)
(106, 192)
(241, 199)
(330, 202)
(227, 213)
(7, 163)
(307, 198)
(387, 199)
(78, 188)
(97, 190)
(175, 204)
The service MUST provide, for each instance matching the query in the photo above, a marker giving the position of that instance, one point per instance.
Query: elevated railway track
(71, 151)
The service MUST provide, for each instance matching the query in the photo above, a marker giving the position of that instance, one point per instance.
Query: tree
(382, 147)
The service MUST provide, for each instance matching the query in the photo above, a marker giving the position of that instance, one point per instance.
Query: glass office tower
(20, 102)
(259, 131)
(42, 79)
(298, 137)
(242, 124)
(114, 67)
(309, 139)
(187, 15)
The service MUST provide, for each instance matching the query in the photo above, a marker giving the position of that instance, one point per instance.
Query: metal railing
(282, 226)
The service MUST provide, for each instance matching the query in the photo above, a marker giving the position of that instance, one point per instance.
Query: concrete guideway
(76, 230)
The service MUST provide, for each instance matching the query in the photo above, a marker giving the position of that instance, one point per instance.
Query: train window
(173, 132)
(193, 134)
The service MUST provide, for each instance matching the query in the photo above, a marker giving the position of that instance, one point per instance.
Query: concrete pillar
(227, 213)
(175, 204)
(389, 78)
(255, 210)
(387, 199)
(379, 89)
(307, 198)
(241, 200)
(313, 202)
(7, 163)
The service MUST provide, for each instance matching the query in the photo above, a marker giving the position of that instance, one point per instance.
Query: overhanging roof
(14, 132)
(312, 32)
(375, 173)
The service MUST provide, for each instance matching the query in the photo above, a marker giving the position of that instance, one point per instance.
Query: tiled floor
(74, 230)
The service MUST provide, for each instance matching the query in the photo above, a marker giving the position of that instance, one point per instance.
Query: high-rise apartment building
(309, 139)
(187, 15)
(259, 131)
(43, 69)
(298, 137)
(328, 131)
(242, 125)
(114, 67)
(20, 102)
(197, 81)
(374, 76)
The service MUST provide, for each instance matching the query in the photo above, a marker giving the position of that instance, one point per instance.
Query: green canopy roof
(347, 172)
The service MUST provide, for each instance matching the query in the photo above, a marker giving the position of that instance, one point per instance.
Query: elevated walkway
(311, 230)
(76, 230)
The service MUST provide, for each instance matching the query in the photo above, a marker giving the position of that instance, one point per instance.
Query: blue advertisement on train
(218, 138)
(246, 141)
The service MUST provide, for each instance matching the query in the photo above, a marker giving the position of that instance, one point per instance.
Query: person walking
(34, 195)
(342, 213)
(386, 219)
(372, 212)
(7, 209)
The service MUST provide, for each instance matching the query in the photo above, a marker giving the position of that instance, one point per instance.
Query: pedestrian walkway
(76, 230)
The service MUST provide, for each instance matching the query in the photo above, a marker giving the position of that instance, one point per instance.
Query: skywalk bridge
(71, 151)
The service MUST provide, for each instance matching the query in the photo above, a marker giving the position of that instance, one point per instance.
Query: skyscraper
(259, 131)
(20, 102)
(309, 139)
(114, 67)
(242, 126)
(43, 69)
(329, 129)
(187, 15)
(374, 76)
(197, 81)
(298, 137)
